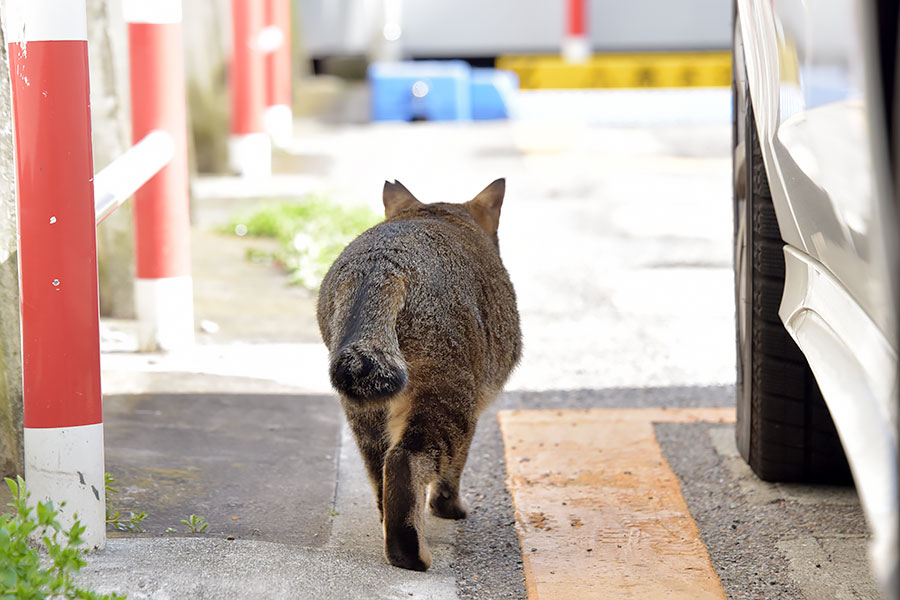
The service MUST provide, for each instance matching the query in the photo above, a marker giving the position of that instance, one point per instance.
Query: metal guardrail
(125, 175)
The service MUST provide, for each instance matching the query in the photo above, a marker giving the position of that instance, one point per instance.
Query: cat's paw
(410, 555)
(448, 508)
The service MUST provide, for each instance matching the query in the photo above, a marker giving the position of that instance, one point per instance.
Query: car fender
(763, 61)
(831, 329)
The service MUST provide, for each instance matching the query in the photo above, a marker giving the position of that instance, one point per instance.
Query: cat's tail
(368, 364)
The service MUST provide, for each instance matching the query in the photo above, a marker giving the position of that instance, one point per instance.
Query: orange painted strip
(598, 510)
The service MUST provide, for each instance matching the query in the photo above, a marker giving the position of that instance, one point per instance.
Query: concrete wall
(10, 337)
(207, 28)
(479, 28)
(108, 59)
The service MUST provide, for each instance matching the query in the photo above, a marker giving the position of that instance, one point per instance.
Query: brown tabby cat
(420, 320)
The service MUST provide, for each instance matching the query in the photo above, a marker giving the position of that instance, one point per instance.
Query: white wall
(492, 27)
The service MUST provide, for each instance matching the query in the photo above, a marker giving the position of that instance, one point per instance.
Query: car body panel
(810, 74)
(809, 97)
(839, 216)
(832, 329)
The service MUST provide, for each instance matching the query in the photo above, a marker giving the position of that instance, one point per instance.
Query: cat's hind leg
(406, 476)
(436, 431)
(368, 425)
(444, 498)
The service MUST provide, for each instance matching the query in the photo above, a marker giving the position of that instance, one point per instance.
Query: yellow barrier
(632, 70)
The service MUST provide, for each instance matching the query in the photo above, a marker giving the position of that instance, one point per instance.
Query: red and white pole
(164, 300)
(275, 42)
(249, 148)
(576, 45)
(48, 64)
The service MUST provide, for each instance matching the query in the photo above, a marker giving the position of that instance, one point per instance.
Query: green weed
(23, 575)
(195, 524)
(114, 516)
(311, 233)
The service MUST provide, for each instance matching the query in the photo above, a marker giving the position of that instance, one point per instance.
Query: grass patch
(311, 233)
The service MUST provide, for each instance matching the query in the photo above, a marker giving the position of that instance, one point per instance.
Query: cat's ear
(485, 207)
(397, 199)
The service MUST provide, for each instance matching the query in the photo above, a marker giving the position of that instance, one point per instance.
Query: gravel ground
(742, 525)
(488, 560)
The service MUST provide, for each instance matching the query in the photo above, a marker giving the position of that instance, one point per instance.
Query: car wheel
(784, 430)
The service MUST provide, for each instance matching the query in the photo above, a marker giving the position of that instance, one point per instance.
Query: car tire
(784, 430)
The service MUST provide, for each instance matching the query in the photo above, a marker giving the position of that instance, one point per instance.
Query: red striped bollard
(48, 64)
(275, 42)
(576, 45)
(164, 300)
(249, 148)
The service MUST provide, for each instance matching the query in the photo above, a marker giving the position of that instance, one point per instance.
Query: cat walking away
(422, 329)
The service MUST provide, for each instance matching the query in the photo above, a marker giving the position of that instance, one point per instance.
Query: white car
(815, 249)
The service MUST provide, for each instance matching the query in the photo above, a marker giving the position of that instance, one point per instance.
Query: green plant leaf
(45, 513)
(8, 577)
(108, 479)
(13, 487)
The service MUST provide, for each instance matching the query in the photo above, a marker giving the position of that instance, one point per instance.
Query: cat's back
(435, 252)
(448, 270)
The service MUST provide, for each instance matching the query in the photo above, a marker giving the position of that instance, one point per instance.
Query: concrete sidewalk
(277, 477)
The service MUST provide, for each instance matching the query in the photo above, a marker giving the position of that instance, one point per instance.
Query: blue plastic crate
(493, 93)
(420, 90)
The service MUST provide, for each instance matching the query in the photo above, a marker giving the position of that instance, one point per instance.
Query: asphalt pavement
(617, 235)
